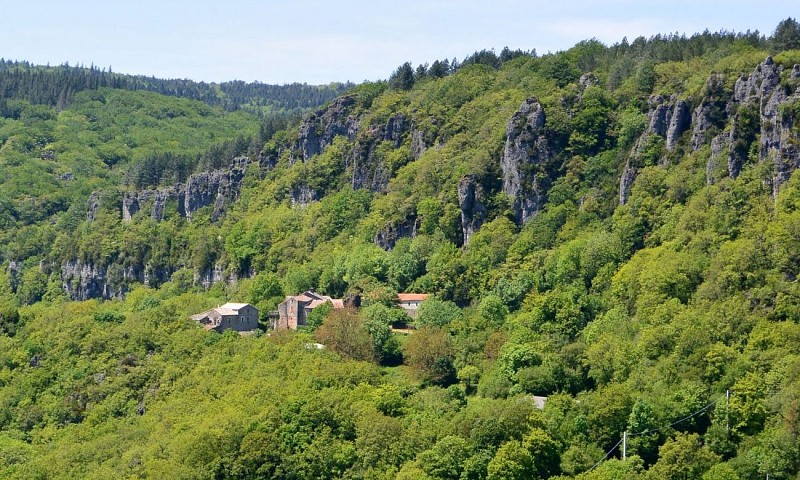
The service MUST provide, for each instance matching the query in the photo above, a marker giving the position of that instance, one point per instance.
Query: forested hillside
(56, 86)
(614, 228)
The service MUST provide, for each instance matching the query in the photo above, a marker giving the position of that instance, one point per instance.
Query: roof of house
(315, 303)
(412, 297)
(235, 306)
(227, 309)
(314, 300)
(200, 316)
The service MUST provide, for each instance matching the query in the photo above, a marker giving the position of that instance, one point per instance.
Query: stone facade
(240, 317)
(294, 310)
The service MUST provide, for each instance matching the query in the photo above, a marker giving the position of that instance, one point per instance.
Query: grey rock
(387, 237)
(368, 171)
(210, 276)
(203, 189)
(762, 89)
(473, 212)
(130, 205)
(526, 160)
(92, 206)
(302, 194)
(787, 158)
(587, 80)
(396, 128)
(13, 275)
(659, 115)
(626, 182)
(319, 128)
(418, 145)
(710, 114)
(83, 281)
(679, 122)
(718, 144)
(668, 118)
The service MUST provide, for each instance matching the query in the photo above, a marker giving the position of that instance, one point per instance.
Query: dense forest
(56, 86)
(614, 228)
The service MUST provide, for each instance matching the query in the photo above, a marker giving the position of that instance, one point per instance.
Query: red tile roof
(412, 297)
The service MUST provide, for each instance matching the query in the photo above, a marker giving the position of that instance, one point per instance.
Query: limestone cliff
(758, 115)
(525, 162)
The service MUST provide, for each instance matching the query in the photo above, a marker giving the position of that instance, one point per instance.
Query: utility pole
(625, 445)
(727, 409)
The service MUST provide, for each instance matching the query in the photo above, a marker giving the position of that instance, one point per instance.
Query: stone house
(410, 302)
(241, 317)
(294, 310)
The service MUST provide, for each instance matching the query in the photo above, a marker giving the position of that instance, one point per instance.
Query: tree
(787, 35)
(378, 319)
(429, 353)
(345, 332)
(403, 77)
(434, 312)
(683, 458)
(446, 459)
(512, 462)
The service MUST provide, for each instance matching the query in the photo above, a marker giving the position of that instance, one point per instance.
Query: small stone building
(410, 302)
(294, 310)
(241, 317)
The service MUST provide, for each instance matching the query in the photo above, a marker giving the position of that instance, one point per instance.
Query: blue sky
(317, 42)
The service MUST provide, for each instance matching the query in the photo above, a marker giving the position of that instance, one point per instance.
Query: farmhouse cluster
(292, 312)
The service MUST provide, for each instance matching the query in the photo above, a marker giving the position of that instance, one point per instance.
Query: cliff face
(83, 281)
(668, 118)
(321, 127)
(363, 160)
(757, 116)
(218, 188)
(525, 160)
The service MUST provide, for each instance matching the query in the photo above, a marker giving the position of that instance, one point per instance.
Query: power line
(703, 409)
(651, 430)
(606, 456)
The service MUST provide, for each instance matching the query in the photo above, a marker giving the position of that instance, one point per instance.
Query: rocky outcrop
(715, 161)
(321, 127)
(668, 118)
(92, 206)
(710, 115)
(13, 275)
(587, 80)
(764, 111)
(626, 182)
(680, 121)
(217, 188)
(473, 212)
(212, 275)
(526, 160)
(387, 237)
(395, 130)
(301, 194)
(418, 145)
(212, 188)
(82, 281)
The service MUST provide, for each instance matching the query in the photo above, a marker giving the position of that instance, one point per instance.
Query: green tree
(446, 459)
(403, 77)
(786, 35)
(345, 332)
(512, 462)
(682, 458)
(434, 312)
(429, 353)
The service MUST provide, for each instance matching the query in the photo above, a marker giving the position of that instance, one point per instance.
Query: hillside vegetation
(614, 228)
